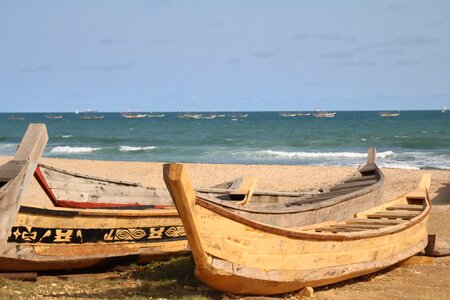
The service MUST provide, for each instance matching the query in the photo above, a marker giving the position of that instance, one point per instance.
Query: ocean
(413, 140)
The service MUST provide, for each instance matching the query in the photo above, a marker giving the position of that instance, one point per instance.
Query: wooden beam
(410, 207)
(246, 188)
(371, 155)
(180, 188)
(361, 178)
(393, 215)
(25, 161)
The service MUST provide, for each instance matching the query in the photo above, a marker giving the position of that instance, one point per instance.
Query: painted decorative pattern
(24, 234)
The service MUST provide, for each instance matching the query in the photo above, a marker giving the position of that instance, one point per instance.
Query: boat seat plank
(375, 221)
(393, 215)
(322, 196)
(361, 178)
(339, 229)
(410, 207)
(359, 184)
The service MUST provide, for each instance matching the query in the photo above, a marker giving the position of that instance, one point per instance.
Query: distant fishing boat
(303, 114)
(287, 114)
(323, 114)
(92, 117)
(238, 115)
(90, 114)
(133, 115)
(16, 118)
(53, 116)
(444, 109)
(388, 114)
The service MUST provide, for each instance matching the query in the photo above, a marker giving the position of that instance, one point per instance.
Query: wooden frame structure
(239, 255)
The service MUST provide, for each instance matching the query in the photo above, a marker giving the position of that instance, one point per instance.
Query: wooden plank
(361, 178)
(375, 221)
(183, 195)
(246, 188)
(322, 196)
(337, 229)
(365, 226)
(359, 184)
(371, 155)
(393, 215)
(410, 207)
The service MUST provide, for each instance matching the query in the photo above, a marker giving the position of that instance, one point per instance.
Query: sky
(234, 55)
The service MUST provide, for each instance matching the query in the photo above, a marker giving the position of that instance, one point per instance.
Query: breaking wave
(135, 149)
(73, 150)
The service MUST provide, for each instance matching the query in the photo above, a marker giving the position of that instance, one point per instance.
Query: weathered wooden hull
(16, 174)
(239, 255)
(360, 191)
(74, 190)
(61, 238)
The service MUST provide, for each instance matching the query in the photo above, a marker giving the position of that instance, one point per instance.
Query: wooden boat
(16, 118)
(238, 255)
(74, 190)
(324, 114)
(54, 116)
(65, 238)
(16, 174)
(361, 190)
(92, 117)
(388, 114)
(238, 115)
(133, 115)
(287, 114)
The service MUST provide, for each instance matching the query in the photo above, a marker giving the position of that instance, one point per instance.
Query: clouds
(267, 53)
(116, 67)
(325, 37)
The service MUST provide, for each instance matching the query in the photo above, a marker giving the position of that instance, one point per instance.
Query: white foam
(73, 150)
(286, 154)
(67, 136)
(8, 146)
(131, 149)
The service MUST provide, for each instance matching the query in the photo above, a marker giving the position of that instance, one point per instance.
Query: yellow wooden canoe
(238, 255)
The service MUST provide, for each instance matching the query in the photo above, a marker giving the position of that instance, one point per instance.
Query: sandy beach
(424, 281)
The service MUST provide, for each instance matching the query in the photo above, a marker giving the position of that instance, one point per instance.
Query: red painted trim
(44, 185)
(76, 204)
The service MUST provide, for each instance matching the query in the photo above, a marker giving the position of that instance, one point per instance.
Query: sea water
(414, 139)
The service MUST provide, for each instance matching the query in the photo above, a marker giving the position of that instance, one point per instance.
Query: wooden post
(16, 174)
(371, 155)
(425, 182)
(183, 196)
